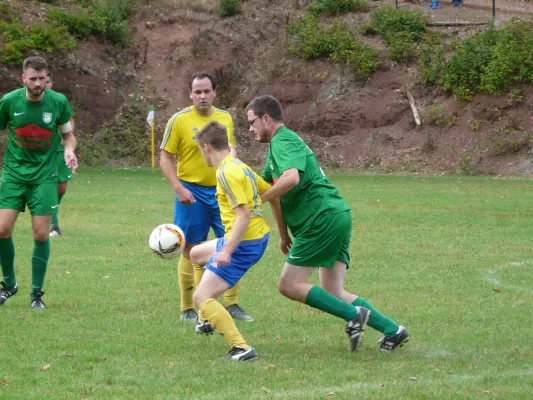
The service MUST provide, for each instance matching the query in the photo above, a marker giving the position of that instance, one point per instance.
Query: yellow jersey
(180, 139)
(237, 184)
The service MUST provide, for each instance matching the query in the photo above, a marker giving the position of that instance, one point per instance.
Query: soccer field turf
(450, 258)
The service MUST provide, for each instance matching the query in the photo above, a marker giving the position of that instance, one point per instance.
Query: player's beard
(35, 92)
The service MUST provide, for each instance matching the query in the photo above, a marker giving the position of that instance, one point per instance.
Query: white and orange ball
(167, 241)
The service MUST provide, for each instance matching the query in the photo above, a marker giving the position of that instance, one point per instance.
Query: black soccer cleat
(204, 328)
(239, 354)
(237, 312)
(36, 301)
(6, 293)
(356, 328)
(189, 315)
(389, 343)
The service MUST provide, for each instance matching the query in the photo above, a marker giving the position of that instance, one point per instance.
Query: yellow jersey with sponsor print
(180, 139)
(237, 184)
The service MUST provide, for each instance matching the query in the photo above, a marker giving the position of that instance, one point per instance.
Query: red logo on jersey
(33, 137)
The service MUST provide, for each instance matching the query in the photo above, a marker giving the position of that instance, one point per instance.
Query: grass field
(450, 258)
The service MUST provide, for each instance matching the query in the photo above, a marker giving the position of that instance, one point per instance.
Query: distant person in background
(37, 119)
(434, 5)
(194, 183)
(64, 172)
(320, 222)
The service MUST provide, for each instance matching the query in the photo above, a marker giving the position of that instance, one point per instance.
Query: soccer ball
(167, 241)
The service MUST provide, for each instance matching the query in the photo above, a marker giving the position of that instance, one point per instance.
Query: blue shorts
(196, 219)
(246, 255)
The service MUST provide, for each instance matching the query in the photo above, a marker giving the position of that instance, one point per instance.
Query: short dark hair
(202, 75)
(266, 105)
(215, 134)
(35, 62)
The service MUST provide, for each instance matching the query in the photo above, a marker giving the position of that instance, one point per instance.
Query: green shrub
(107, 21)
(491, 61)
(18, 39)
(401, 29)
(437, 115)
(336, 7)
(431, 58)
(126, 139)
(79, 24)
(309, 39)
(229, 8)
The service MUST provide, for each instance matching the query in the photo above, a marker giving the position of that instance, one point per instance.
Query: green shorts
(41, 198)
(324, 241)
(64, 173)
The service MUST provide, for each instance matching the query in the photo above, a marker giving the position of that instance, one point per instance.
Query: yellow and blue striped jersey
(180, 139)
(237, 184)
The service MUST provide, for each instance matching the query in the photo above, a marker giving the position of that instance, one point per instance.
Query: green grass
(428, 252)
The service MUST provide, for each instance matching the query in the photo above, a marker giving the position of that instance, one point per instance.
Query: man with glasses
(321, 225)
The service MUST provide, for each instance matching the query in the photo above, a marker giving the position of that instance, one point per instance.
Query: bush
(18, 39)
(431, 57)
(491, 61)
(336, 7)
(107, 21)
(229, 8)
(126, 139)
(401, 29)
(310, 39)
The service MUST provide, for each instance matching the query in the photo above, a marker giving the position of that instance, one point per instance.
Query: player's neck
(204, 113)
(218, 156)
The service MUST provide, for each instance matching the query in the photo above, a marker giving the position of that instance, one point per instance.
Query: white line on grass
(492, 276)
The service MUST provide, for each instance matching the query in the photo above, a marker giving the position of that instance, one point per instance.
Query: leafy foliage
(336, 7)
(401, 29)
(124, 140)
(491, 61)
(18, 39)
(309, 39)
(105, 20)
(229, 8)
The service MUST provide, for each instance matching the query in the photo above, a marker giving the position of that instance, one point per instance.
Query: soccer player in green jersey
(64, 172)
(320, 222)
(37, 119)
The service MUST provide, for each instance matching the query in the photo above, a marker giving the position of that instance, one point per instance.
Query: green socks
(377, 320)
(7, 261)
(39, 262)
(321, 299)
(55, 220)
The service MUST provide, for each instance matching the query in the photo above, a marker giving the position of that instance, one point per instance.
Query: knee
(41, 234)
(284, 288)
(194, 255)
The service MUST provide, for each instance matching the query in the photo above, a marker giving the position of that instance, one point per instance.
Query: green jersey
(34, 136)
(314, 194)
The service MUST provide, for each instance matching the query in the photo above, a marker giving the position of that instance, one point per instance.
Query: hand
(223, 258)
(71, 160)
(185, 196)
(285, 243)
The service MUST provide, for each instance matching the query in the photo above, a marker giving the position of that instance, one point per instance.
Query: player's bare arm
(166, 163)
(242, 220)
(285, 241)
(69, 143)
(289, 179)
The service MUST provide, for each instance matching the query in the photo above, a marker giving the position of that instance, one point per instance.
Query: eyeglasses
(251, 123)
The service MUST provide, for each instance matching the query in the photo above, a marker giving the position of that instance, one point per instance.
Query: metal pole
(493, 8)
(396, 3)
